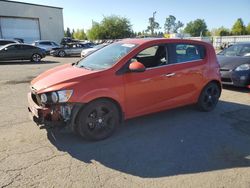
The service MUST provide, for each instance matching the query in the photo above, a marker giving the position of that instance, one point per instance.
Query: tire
(209, 97)
(61, 53)
(98, 120)
(36, 58)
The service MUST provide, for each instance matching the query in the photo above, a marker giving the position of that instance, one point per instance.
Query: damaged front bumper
(60, 114)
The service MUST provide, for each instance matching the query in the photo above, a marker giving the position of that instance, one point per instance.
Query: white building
(30, 21)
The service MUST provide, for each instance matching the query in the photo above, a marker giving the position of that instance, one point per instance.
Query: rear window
(186, 52)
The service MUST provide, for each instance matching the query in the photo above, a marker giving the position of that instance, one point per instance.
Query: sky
(216, 13)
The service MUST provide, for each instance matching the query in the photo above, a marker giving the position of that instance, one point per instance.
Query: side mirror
(137, 67)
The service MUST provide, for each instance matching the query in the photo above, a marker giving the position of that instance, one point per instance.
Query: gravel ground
(176, 148)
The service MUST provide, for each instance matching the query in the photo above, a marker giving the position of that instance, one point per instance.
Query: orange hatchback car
(126, 79)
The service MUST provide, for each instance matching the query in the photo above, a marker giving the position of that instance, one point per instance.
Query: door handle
(170, 74)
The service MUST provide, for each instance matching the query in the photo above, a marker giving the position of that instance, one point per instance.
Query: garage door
(27, 29)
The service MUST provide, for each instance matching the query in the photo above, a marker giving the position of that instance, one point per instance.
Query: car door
(78, 49)
(166, 84)
(27, 51)
(146, 91)
(11, 52)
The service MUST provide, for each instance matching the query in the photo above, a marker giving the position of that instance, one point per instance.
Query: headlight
(56, 96)
(64, 95)
(243, 67)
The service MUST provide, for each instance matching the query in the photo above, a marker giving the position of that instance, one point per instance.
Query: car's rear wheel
(61, 53)
(98, 120)
(209, 97)
(36, 58)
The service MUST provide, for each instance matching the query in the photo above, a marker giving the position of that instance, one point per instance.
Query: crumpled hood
(58, 78)
(232, 62)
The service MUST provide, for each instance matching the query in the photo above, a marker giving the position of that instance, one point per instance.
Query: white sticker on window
(128, 45)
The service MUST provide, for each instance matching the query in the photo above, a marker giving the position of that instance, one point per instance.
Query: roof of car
(148, 40)
(44, 41)
(8, 40)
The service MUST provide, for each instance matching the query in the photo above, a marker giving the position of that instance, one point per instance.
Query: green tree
(196, 28)
(171, 26)
(111, 27)
(153, 25)
(73, 33)
(221, 31)
(80, 34)
(239, 27)
(95, 32)
(248, 29)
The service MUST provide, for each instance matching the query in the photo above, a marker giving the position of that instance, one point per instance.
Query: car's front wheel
(98, 120)
(61, 53)
(209, 97)
(36, 58)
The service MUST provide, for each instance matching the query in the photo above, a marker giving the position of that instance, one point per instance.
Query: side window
(186, 52)
(45, 43)
(151, 51)
(153, 56)
(24, 47)
(245, 51)
(13, 47)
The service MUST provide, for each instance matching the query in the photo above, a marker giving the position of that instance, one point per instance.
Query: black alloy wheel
(98, 120)
(209, 97)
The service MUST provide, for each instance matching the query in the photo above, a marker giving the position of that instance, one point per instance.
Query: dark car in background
(4, 42)
(72, 49)
(235, 65)
(21, 52)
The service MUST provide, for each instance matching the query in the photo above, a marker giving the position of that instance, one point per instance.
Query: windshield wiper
(88, 68)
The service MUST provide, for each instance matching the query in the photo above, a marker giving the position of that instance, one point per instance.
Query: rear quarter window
(186, 52)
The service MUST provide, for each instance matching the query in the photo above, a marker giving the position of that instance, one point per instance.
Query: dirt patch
(15, 82)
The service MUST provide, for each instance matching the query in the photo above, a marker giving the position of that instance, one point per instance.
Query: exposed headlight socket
(54, 97)
(44, 98)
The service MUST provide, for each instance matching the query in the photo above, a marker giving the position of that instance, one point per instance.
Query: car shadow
(237, 89)
(174, 142)
(26, 62)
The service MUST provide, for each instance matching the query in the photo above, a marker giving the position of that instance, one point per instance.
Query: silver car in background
(70, 49)
(47, 45)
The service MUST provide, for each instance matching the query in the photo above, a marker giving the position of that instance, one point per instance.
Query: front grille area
(226, 80)
(226, 70)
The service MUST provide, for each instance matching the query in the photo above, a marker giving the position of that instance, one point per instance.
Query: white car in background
(47, 45)
(88, 51)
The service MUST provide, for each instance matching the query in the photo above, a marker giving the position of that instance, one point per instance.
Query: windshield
(106, 57)
(237, 50)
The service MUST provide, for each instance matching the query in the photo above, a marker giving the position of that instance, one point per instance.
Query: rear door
(27, 51)
(187, 64)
